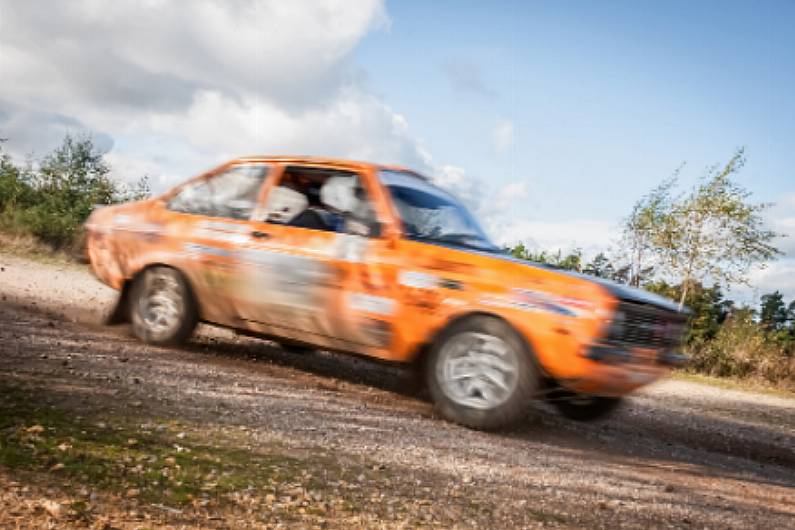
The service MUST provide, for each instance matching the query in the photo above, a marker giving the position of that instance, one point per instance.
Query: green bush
(51, 199)
(743, 349)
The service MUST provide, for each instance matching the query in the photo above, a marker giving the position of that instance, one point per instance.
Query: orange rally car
(378, 261)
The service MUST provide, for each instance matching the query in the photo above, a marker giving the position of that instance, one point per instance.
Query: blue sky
(605, 98)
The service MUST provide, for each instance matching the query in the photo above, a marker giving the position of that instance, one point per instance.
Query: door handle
(260, 235)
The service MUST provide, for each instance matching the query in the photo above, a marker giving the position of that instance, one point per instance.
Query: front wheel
(481, 374)
(163, 309)
(580, 407)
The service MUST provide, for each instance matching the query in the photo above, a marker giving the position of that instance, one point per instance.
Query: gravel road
(678, 455)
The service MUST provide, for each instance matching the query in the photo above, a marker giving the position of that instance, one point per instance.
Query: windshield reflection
(431, 214)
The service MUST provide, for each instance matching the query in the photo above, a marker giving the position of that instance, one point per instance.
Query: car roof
(319, 161)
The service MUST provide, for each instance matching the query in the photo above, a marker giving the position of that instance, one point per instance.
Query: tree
(638, 234)
(709, 308)
(600, 267)
(519, 251)
(773, 314)
(51, 199)
(712, 232)
(75, 177)
(571, 261)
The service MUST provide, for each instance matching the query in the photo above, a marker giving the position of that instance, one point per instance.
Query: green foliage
(51, 199)
(714, 231)
(571, 261)
(708, 306)
(639, 233)
(773, 314)
(600, 267)
(743, 349)
(672, 244)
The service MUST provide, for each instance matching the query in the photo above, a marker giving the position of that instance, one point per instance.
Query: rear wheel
(163, 310)
(580, 407)
(481, 374)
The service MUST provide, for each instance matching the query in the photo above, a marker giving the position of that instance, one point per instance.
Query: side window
(231, 194)
(320, 199)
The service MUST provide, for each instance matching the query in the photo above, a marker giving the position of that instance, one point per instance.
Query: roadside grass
(118, 456)
(162, 461)
(28, 247)
(729, 383)
(187, 469)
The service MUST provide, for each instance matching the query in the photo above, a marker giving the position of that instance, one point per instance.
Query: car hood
(620, 291)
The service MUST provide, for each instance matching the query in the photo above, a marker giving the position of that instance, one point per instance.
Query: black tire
(166, 288)
(578, 407)
(296, 347)
(470, 410)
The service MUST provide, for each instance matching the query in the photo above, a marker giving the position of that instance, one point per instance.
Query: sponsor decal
(368, 303)
(222, 226)
(197, 250)
(128, 223)
(418, 280)
(227, 237)
(538, 301)
(456, 302)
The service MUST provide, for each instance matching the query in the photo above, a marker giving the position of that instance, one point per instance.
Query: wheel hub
(161, 302)
(478, 370)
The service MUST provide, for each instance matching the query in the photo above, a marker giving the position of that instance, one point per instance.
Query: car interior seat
(283, 205)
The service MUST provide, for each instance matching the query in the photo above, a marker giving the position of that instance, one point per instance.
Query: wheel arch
(120, 314)
(424, 349)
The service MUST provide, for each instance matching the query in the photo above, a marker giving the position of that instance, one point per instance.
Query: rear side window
(231, 194)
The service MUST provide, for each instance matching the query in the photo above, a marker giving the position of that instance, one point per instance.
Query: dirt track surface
(678, 455)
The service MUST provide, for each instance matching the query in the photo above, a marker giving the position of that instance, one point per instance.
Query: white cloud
(781, 219)
(462, 185)
(500, 212)
(175, 87)
(510, 194)
(30, 128)
(155, 54)
(592, 236)
(502, 136)
(777, 276)
(493, 207)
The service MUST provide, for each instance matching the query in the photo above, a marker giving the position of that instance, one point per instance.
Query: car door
(208, 222)
(324, 286)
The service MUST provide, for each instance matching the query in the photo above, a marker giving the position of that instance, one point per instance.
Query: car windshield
(431, 214)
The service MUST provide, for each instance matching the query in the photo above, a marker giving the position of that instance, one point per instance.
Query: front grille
(647, 326)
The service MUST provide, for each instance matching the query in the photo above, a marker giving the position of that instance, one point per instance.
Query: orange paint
(384, 296)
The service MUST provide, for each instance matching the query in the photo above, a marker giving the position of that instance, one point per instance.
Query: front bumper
(615, 370)
(616, 355)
